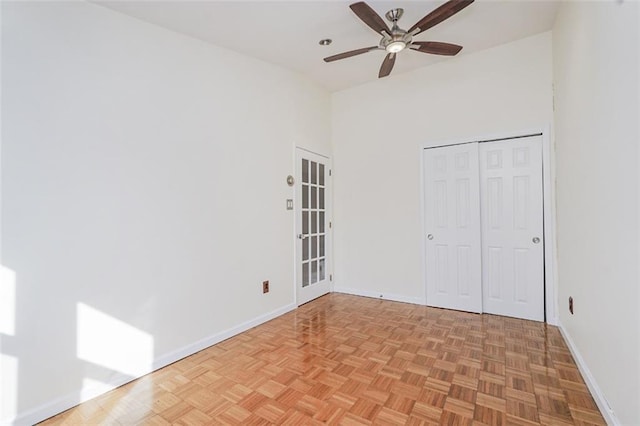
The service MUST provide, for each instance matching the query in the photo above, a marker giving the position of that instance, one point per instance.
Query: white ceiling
(286, 33)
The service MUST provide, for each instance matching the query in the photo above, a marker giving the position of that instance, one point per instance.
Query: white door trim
(549, 210)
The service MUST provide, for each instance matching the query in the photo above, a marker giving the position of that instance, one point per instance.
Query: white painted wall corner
(596, 392)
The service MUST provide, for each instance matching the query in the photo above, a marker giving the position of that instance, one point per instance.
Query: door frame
(329, 216)
(548, 205)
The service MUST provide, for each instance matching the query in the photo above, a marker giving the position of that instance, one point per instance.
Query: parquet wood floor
(357, 361)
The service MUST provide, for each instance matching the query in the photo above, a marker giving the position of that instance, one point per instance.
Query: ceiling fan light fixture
(395, 46)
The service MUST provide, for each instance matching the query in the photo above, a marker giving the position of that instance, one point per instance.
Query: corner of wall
(589, 379)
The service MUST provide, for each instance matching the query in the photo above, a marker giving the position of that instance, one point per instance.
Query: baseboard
(596, 392)
(61, 404)
(217, 338)
(379, 295)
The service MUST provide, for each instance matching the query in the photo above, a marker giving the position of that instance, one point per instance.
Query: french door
(484, 224)
(313, 234)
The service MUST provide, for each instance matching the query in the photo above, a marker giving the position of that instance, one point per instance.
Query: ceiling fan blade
(370, 17)
(436, 48)
(350, 53)
(387, 65)
(445, 11)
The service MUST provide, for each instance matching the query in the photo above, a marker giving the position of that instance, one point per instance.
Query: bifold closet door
(512, 227)
(452, 224)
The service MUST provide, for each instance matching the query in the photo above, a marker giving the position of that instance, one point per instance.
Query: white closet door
(512, 227)
(452, 222)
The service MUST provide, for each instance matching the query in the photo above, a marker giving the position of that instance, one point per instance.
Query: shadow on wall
(105, 348)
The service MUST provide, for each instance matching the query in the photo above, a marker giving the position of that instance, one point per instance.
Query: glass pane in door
(305, 274)
(314, 222)
(321, 269)
(305, 223)
(314, 272)
(314, 247)
(305, 249)
(313, 171)
(305, 171)
(305, 196)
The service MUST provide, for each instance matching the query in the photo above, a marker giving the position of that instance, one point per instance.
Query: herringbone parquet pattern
(357, 361)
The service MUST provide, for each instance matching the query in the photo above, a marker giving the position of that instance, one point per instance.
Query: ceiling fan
(396, 39)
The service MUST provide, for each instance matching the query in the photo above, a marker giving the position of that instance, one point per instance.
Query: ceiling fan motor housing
(398, 39)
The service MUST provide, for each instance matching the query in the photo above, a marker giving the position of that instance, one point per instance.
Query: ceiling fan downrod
(394, 15)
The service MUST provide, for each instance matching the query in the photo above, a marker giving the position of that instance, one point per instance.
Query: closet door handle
(535, 240)
(430, 237)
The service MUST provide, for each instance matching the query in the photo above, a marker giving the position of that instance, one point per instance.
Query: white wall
(595, 53)
(378, 129)
(143, 193)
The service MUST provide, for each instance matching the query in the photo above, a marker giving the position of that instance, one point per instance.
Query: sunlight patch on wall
(111, 343)
(8, 388)
(91, 388)
(7, 301)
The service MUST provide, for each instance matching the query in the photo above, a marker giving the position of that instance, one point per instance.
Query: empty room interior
(311, 212)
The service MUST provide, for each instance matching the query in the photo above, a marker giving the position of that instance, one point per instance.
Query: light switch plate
(289, 204)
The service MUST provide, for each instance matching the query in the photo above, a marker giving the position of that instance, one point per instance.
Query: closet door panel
(452, 224)
(512, 227)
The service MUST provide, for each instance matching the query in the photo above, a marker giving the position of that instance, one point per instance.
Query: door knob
(535, 240)
(430, 237)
